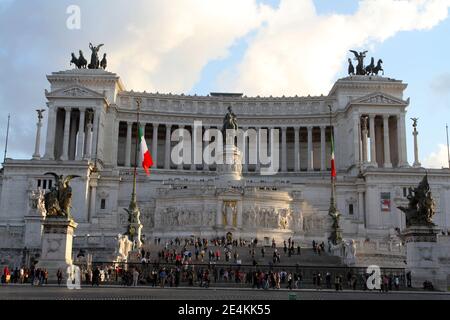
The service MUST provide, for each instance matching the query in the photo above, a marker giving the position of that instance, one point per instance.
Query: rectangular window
(39, 183)
(45, 185)
(50, 184)
(350, 209)
(405, 192)
(103, 204)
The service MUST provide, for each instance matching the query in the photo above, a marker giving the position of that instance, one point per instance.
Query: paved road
(27, 292)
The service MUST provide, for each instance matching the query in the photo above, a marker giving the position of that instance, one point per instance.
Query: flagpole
(134, 223)
(7, 138)
(133, 196)
(448, 148)
(336, 232)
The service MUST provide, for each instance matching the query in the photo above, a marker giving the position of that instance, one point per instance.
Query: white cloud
(300, 52)
(437, 159)
(164, 45)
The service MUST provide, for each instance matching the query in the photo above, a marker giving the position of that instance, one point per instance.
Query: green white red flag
(333, 165)
(147, 161)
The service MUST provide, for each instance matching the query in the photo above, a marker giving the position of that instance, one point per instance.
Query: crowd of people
(34, 276)
(200, 262)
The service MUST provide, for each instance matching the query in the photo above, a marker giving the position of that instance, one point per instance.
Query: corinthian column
(65, 154)
(416, 163)
(167, 149)
(387, 146)
(36, 155)
(81, 135)
(310, 150)
(373, 149)
(297, 149)
(155, 144)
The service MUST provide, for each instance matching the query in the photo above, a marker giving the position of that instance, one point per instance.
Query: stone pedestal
(56, 245)
(422, 256)
(231, 168)
(33, 231)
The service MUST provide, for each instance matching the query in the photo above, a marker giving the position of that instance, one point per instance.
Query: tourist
(289, 281)
(162, 277)
(135, 277)
(263, 251)
(338, 282)
(408, 279)
(328, 280)
(59, 276)
(397, 282)
(298, 249)
(96, 277)
(319, 281)
(274, 245)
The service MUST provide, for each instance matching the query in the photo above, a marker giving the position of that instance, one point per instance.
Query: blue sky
(200, 46)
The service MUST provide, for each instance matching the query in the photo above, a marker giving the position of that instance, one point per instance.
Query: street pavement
(51, 292)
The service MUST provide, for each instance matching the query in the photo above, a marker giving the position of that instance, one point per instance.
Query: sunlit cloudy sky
(266, 47)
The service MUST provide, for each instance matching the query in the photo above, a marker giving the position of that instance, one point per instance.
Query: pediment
(380, 99)
(74, 92)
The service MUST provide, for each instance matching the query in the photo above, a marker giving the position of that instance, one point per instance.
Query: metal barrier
(232, 275)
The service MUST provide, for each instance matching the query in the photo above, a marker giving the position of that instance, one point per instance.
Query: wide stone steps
(307, 256)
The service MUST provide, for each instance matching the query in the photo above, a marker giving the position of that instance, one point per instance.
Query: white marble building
(91, 121)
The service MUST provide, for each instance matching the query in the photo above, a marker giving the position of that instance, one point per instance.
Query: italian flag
(333, 165)
(147, 160)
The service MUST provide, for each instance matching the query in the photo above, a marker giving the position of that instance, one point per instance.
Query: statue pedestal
(231, 169)
(422, 256)
(56, 245)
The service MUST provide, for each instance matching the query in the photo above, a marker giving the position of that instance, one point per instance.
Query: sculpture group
(361, 69)
(96, 63)
(58, 200)
(230, 121)
(421, 207)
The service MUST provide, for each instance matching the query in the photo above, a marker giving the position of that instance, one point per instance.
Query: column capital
(82, 109)
(386, 116)
(168, 126)
(130, 123)
(323, 127)
(310, 128)
(155, 125)
(297, 128)
(68, 109)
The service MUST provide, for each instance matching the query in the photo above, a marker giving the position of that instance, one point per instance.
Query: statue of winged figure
(95, 61)
(359, 56)
(58, 200)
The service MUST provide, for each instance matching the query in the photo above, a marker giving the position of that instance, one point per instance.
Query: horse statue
(104, 62)
(74, 61)
(351, 68)
(378, 68)
(80, 62)
(370, 68)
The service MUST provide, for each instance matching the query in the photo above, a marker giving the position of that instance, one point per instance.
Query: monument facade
(91, 133)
